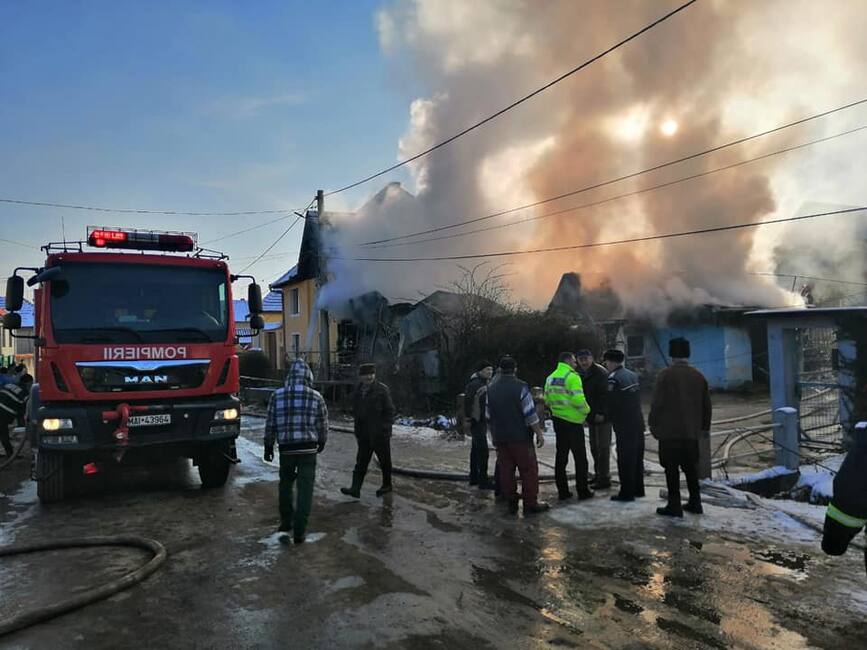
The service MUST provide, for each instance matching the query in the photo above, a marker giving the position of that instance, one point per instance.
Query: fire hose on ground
(96, 594)
(435, 475)
(15, 453)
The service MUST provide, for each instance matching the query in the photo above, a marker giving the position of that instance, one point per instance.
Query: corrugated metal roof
(273, 302)
(242, 312)
(285, 279)
(28, 312)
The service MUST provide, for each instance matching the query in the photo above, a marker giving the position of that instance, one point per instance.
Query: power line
(271, 256)
(797, 276)
(515, 103)
(621, 178)
(554, 249)
(18, 243)
(301, 215)
(622, 196)
(246, 230)
(268, 250)
(91, 208)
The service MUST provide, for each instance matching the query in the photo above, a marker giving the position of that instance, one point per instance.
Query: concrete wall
(722, 353)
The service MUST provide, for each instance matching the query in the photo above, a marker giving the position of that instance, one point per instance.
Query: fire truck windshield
(139, 303)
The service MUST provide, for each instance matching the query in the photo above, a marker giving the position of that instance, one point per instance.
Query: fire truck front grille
(139, 376)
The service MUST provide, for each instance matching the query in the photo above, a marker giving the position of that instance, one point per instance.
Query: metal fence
(818, 390)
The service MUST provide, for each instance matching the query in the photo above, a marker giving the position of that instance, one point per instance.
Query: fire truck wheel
(214, 466)
(50, 476)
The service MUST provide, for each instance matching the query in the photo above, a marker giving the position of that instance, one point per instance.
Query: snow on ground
(421, 434)
(771, 472)
(770, 521)
(819, 479)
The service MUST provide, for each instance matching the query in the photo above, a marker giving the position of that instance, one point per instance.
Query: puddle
(493, 583)
(785, 559)
(348, 582)
(434, 521)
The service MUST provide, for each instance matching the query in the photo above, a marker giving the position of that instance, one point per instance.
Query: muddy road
(435, 565)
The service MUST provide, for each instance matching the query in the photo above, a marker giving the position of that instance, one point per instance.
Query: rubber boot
(355, 490)
(386, 482)
(385, 489)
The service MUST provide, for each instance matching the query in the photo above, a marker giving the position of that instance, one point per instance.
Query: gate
(818, 390)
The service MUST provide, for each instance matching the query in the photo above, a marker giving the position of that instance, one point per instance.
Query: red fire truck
(135, 356)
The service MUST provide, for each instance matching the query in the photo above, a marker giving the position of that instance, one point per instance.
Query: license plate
(149, 420)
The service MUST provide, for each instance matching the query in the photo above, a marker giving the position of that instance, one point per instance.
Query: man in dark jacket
(595, 379)
(624, 412)
(298, 422)
(374, 417)
(512, 419)
(680, 413)
(847, 512)
(13, 404)
(475, 401)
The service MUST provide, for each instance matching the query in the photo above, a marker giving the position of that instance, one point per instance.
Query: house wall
(7, 348)
(306, 323)
(722, 353)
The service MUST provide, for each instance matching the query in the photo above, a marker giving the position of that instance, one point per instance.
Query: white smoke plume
(716, 72)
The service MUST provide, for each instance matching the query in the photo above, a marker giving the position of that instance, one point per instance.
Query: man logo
(146, 379)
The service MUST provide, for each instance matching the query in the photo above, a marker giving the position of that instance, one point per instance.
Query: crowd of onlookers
(580, 393)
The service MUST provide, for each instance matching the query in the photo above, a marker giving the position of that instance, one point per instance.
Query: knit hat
(508, 364)
(366, 369)
(484, 364)
(614, 355)
(584, 352)
(678, 348)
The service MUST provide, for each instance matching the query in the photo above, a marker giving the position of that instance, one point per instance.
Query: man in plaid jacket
(298, 422)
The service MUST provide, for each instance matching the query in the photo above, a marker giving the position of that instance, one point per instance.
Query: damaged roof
(310, 262)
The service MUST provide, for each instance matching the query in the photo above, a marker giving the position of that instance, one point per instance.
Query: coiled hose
(53, 610)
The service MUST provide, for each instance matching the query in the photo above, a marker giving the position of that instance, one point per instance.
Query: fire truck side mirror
(257, 322)
(14, 293)
(12, 321)
(46, 275)
(254, 298)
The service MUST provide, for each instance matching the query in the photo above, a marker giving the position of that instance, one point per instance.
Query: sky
(234, 106)
(194, 106)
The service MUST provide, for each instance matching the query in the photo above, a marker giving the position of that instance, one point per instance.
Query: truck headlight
(56, 424)
(226, 414)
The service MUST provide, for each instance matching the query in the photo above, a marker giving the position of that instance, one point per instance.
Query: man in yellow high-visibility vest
(564, 395)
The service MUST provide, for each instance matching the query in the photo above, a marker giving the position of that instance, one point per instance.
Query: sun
(668, 128)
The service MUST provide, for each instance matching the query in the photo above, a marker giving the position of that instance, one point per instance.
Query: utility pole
(324, 322)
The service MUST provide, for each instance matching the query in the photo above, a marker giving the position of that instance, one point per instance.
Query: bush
(534, 339)
(255, 363)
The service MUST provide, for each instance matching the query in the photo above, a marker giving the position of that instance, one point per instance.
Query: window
(139, 303)
(294, 302)
(296, 344)
(635, 346)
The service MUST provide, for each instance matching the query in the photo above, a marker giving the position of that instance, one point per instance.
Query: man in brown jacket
(680, 414)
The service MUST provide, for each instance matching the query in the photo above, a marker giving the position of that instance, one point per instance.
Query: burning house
(728, 348)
